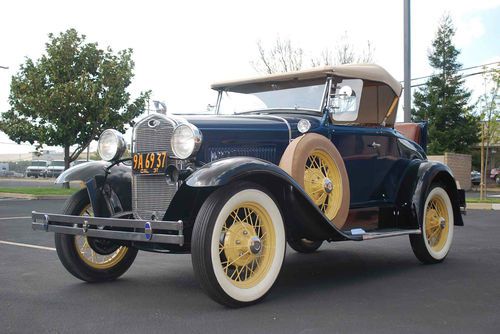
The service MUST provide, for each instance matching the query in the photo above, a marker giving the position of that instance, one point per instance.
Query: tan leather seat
(409, 130)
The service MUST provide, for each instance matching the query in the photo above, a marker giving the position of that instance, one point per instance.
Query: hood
(260, 136)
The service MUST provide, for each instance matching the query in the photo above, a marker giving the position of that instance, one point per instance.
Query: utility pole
(407, 62)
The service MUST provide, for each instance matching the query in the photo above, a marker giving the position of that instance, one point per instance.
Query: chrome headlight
(186, 140)
(111, 145)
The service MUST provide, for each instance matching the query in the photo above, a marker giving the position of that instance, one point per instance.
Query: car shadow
(302, 274)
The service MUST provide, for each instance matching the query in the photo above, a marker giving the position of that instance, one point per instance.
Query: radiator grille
(151, 195)
(154, 139)
(262, 152)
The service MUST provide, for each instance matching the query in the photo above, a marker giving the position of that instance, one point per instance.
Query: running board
(359, 234)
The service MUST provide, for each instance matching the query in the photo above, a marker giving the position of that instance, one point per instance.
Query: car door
(369, 155)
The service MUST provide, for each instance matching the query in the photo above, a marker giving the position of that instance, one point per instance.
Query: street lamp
(4, 67)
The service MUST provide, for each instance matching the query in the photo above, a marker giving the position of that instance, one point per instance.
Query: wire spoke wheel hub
(247, 245)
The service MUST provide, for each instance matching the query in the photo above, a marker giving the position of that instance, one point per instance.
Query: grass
(39, 191)
(486, 200)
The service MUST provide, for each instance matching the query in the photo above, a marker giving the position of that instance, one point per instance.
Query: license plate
(149, 163)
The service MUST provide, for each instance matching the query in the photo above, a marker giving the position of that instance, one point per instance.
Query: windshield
(57, 163)
(38, 163)
(297, 98)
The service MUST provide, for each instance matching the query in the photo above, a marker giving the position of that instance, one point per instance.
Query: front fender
(83, 172)
(301, 215)
(109, 194)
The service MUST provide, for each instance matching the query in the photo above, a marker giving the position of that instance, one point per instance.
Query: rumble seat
(409, 130)
(414, 131)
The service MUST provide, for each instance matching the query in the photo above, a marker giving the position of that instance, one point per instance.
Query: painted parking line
(7, 218)
(26, 245)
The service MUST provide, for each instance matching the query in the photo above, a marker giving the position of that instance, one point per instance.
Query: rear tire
(238, 244)
(433, 244)
(304, 245)
(98, 266)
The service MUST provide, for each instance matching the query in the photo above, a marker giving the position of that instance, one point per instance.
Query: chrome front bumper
(164, 232)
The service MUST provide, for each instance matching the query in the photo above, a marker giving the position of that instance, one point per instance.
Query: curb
(28, 196)
(483, 206)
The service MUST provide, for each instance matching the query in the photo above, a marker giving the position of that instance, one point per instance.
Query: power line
(463, 76)
(461, 70)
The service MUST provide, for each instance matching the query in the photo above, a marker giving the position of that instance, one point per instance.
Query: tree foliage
(285, 56)
(488, 105)
(71, 94)
(443, 101)
(489, 113)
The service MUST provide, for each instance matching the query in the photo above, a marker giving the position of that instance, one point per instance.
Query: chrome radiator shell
(151, 194)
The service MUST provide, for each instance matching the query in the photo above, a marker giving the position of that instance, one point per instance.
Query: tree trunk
(66, 164)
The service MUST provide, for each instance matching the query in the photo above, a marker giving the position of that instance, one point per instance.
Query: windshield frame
(320, 111)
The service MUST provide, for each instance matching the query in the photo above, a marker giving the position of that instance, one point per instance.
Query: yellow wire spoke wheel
(238, 244)
(323, 182)
(433, 244)
(247, 245)
(90, 256)
(437, 222)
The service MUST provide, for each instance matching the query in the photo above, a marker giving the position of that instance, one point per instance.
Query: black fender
(110, 189)
(302, 217)
(414, 187)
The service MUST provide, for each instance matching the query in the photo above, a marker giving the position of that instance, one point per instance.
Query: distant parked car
(495, 174)
(475, 177)
(55, 168)
(37, 168)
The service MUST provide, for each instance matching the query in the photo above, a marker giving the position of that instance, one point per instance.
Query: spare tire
(314, 162)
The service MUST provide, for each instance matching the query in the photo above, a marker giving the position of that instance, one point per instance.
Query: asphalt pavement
(365, 287)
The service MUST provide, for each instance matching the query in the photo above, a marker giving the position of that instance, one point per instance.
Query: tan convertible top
(370, 72)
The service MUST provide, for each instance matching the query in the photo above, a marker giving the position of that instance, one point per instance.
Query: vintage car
(298, 158)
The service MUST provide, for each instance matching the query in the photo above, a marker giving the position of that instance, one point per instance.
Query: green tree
(443, 101)
(71, 94)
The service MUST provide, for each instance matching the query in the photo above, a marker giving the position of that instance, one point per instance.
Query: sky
(181, 47)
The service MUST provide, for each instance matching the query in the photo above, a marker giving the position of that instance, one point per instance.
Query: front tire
(433, 245)
(91, 259)
(238, 244)
(304, 245)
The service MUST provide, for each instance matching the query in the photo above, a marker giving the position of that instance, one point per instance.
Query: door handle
(374, 145)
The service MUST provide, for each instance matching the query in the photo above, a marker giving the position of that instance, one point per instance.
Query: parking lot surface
(368, 287)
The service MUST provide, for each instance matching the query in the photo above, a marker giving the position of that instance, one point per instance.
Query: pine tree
(443, 101)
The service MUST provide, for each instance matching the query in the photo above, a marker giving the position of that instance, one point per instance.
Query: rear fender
(413, 190)
(302, 217)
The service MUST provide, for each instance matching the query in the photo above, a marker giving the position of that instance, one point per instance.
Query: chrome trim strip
(380, 235)
(286, 122)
